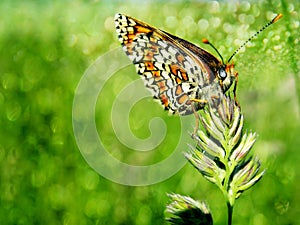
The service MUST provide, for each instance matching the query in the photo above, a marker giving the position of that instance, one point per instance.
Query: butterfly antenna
(275, 19)
(205, 41)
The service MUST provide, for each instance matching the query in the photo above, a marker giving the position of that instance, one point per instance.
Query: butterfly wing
(170, 67)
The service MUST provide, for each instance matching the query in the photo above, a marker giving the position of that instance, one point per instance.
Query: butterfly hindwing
(173, 91)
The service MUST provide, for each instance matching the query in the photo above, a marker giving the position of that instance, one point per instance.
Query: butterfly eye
(222, 73)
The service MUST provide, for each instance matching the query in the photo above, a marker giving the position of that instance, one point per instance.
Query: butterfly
(181, 75)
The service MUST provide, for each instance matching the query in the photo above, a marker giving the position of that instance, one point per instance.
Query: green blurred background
(45, 48)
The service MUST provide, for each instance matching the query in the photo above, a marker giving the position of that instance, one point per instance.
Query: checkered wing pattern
(170, 67)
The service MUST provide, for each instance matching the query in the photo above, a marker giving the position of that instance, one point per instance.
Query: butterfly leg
(198, 100)
(196, 114)
(197, 121)
(234, 90)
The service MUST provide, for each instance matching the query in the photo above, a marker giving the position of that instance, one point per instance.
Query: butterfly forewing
(173, 73)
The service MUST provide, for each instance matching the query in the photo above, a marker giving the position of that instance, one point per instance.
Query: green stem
(230, 211)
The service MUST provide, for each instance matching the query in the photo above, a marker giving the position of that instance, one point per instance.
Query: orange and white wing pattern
(175, 71)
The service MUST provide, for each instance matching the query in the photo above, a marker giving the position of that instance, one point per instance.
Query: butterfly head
(223, 72)
(226, 76)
